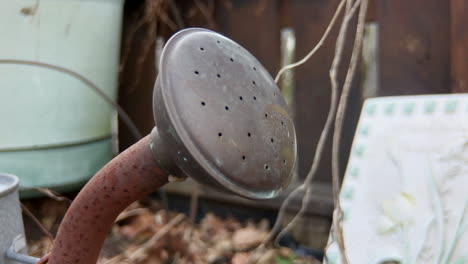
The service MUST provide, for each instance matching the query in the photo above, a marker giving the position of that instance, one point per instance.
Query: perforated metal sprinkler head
(220, 119)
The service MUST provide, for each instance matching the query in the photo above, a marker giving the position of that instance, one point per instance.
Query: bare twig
(142, 250)
(324, 135)
(130, 213)
(338, 214)
(306, 186)
(176, 14)
(37, 222)
(317, 46)
(49, 193)
(207, 12)
(318, 152)
(156, 237)
(153, 10)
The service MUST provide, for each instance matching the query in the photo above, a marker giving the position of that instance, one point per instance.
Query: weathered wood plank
(255, 25)
(459, 46)
(414, 44)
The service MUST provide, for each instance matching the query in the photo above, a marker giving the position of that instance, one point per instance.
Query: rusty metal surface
(128, 177)
(221, 118)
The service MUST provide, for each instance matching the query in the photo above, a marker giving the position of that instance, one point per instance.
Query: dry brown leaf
(240, 258)
(247, 238)
(142, 223)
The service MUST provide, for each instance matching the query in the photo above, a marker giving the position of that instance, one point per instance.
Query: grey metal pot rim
(8, 183)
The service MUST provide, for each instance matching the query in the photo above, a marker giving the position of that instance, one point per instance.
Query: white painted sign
(405, 192)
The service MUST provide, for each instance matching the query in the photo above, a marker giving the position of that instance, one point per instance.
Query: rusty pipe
(128, 177)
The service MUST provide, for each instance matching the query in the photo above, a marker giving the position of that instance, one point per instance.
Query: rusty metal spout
(128, 177)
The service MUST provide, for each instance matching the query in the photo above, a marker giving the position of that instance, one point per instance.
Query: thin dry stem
(142, 251)
(207, 12)
(338, 214)
(130, 213)
(321, 145)
(49, 193)
(317, 46)
(156, 237)
(319, 149)
(322, 140)
(37, 222)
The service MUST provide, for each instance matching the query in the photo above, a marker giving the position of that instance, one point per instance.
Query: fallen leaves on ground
(144, 235)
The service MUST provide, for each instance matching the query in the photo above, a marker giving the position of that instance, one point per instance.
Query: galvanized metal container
(11, 222)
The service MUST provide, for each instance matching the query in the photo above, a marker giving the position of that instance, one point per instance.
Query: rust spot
(28, 11)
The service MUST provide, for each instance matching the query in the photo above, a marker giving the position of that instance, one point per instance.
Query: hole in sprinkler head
(282, 123)
(254, 83)
(226, 107)
(202, 103)
(248, 134)
(219, 76)
(231, 59)
(202, 48)
(255, 98)
(240, 98)
(255, 69)
(266, 115)
(220, 134)
(266, 167)
(271, 139)
(218, 41)
(243, 157)
(196, 72)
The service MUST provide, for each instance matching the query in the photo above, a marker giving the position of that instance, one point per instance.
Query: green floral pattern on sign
(430, 107)
(408, 108)
(354, 172)
(359, 151)
(348, 192)
(451, 106)
(389, 109)
(364, 130)
(371, 109)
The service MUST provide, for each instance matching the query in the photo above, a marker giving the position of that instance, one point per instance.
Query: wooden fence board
(459, 52)
(414, 46)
